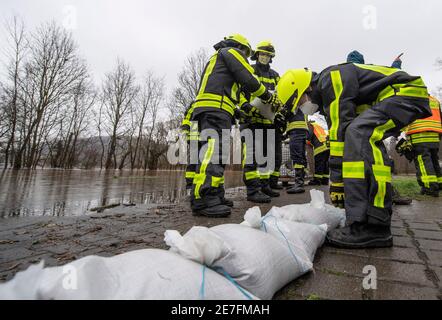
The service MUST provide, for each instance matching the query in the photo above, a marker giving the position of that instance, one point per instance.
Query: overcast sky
(311, 33)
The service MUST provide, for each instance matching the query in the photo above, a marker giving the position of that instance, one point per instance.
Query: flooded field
(75, 192)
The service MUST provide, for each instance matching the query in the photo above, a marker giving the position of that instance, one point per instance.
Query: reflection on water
(74, 192)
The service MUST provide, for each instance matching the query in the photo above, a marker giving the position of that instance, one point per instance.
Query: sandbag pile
(251, 260)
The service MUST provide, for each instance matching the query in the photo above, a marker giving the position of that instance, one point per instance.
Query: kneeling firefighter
(257, 177)
(226, 74)
(359, 164)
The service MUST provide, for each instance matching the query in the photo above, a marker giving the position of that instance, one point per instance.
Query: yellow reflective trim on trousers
(320, 149)
(337, 184)
(378, 134)
(217, 181)
(276, 174)
(334, 106)
(362, 108)
(298, 166)
(320, 176)
(353, 170)
(439, 180)
(201, 176)
(380, 69)
(241, 59)
(382, 173)
(252, 175)
(425, 178)
(190, 175)
(208, 72)
(244, 154)
(337, 149)
(297, 125)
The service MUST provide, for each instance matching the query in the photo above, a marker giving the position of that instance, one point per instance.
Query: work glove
(280, 123)
(274, 102)
(405, 148)
(337, 196)
(327, 142)
(241, 116)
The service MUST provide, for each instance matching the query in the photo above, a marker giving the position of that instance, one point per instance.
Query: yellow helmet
(241, 40)
(292, 85)
(265, 47)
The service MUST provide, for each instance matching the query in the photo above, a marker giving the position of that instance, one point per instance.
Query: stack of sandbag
(316, 212)
(141, 275)
(257, 261)
(302, 239)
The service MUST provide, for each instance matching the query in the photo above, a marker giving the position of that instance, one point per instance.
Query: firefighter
(317, 138)
(297, 130)
(257, 177)
(226, 74)
(190, 132)
(424, 137)
(359, 166)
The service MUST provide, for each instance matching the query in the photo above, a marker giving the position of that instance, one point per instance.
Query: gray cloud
(159, 35)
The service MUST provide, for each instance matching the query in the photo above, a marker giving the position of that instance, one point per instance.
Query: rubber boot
(269, 192)
(430, 192)
(259, 197)
(400, 201)
(314, 182)
(361, 236)
(219, 211)
(227, 202)
(299, 182)
(274, 183)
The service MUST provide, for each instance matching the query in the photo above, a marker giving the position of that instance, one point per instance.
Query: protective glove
(327, 142)
(405, 148)
(337, 196)
(241, 116)
(274, 102)
(280, 123)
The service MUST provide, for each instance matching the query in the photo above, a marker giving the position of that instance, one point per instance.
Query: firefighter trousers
(321, 165)
(428, 171)
(366, 167)
(258, 155)
(213, 149)
(298, 138)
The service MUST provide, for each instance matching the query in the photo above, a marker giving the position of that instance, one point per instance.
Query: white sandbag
(302, 239)
(316, 212)
(199, 244)
(141, 275)
(258, 262)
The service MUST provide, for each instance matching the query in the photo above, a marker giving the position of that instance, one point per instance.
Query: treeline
(53, 115)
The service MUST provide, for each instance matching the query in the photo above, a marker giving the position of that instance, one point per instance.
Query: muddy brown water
(74, 192)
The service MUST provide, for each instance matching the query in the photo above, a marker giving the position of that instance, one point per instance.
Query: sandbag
(141, 275)
(316, 212)
(256, 261)
(302, 239)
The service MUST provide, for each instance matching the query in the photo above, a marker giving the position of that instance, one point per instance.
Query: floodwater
(50, 192)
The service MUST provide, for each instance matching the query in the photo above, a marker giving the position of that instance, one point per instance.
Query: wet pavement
(412, 269)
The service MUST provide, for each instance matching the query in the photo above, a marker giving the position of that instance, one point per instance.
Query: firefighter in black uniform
(359, 164)
(261, 178)
(317, 138)
(297, 130)
(225, 76)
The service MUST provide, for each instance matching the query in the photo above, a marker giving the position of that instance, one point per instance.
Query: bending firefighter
(259, 176)
(226, 74)
(360, 168)
(317, 138)
(423, 140)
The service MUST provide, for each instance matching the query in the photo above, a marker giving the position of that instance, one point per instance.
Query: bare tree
(188, 84)
(53, 70)
(119, 94)
(151, 97)
(15, 55)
